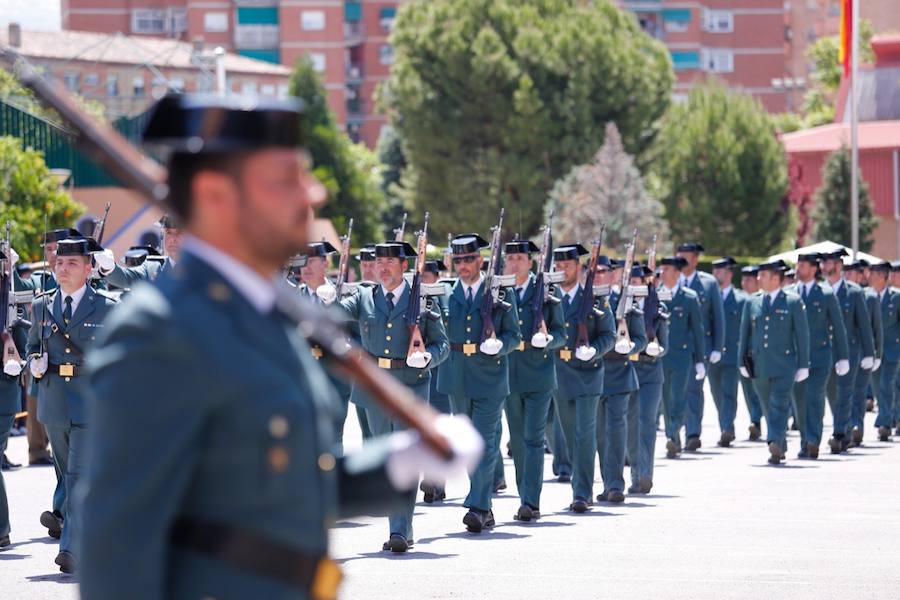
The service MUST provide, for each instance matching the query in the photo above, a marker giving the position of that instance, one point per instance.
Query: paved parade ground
(719, 524)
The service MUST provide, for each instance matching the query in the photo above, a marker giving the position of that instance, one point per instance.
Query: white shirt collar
(837, 285)
(774, 295)
(77, 295)
(397, 291)
(688, 280)
(257, 290)
(807, 286)
(474, 287)
(571, 293)
(727, 291)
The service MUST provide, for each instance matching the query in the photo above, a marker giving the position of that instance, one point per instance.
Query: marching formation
(582, 351)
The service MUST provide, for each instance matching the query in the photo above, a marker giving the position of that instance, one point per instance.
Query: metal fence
(55, 143)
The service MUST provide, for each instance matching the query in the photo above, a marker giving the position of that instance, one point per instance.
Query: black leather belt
(468, 348)
(318, 576)
(389, 363)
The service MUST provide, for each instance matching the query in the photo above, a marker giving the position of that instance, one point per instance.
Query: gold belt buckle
(384, 363)
(634, 357)
(470, 349)
(521, 346)
(316, 352)
(565, 354)
(326, 580)
(66, 370)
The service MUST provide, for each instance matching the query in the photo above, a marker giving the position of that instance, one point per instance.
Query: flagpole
(854, 126)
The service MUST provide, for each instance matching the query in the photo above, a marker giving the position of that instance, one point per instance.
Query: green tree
(497, 99)
(393, 163)
(350, 172)
(607, 190)
(12, 91)
(27, 190)
(722, 173)
(832, 212)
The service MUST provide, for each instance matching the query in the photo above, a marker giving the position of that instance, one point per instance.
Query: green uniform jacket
(856, 319)
(478, 375)
(34, 282)
(620, 376)
(827, 337)
(711, 311)
(343, 387)
(649, 369)
(533, 369)
(385, 335)
(128, 277)
(577, 377)
(890, 321)
(686, 346)
(733, 308)
(777, 340)
(234, 425)
(11, 387)
(62, 399)
(874, 309)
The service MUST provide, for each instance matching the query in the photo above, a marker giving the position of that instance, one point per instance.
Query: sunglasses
(465, 259)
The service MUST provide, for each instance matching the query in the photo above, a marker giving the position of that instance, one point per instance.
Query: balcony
(256, 36)
(356, 111)
(255, 3)
(354, 33)
(354, 73)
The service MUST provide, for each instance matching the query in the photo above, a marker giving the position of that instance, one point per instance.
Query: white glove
(585, 353)
(700, 371)
(653, 349)
(38, 365)
(14, 256)
(801, 375)
(624, 346)
(842, 367)
(877, 364)
(12, 367)
(745, 372)
(418, 360)
(106, 261)
(540, 340)
(867, 363)
(409, 455)
(715, 356)
(491, 346)
(326, 293)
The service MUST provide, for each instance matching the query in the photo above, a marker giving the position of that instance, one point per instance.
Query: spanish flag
(845, 50)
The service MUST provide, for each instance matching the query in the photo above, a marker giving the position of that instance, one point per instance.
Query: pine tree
(832, 213)
(608, 190)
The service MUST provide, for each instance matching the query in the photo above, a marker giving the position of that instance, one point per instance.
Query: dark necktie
(566, 302)
(521, 293)
(767, 303)
(390, 301)
(67, 311)
(469, 298)
(805, 293)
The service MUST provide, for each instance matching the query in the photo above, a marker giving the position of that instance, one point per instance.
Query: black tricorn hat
(776, 266)
(691, 247)
(834, 255)
(750, 271)
(726, 262)
(322, 248)
(674, 261)
(136, 255)
(569, 252)
(435, 266)
(399, 250)
(810, 257)
(77, 246)
(366, 253)
(212, 124)
(60, 234)
(168, 221)
(520, 247)
(883, 266)
(895, 266)
(638, 270)
(467, 243)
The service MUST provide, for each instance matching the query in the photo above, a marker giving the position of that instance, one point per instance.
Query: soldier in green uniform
(619, 383)
(237, 478)
(684, 359)
(862, 384)
(65, 325)
(724, 375)
(827, 350)
(579, 370)
(775, 341)
(149, 270)
(884, 378)
(860, 344)
(381, 314)
(366, 258)
(643, 405)
(532, 377)
(476, 376)
(750, 286)
(713, 317)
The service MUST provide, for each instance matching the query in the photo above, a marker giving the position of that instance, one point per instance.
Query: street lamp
(788, 84)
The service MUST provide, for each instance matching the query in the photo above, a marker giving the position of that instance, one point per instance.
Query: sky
(40, 15)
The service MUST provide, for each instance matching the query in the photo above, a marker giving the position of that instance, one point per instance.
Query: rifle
(400, 231)
(10, 313)
(448, 256)
(100, 226)
(342, 287)
(493, 281)
(414, 308)
(625, 300)
(651, 303)
(122, 160)
(586, 308)
(542, 280)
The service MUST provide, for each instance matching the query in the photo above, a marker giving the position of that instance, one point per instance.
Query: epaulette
(689, 292)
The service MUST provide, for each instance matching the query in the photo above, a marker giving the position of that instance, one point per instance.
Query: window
(676, 26)
(248, 88)
(716, 60)
(318, 61)
(138, 86)
(177, 18)
(147, 20)
(283, 90)
(73, 81)
(267, 89)
(386, 54)
(719, 21)
(312, 20)
(112, 85)
(91, 80)
(834, 8)
(215, 22)
(386, 19)
(684, 60)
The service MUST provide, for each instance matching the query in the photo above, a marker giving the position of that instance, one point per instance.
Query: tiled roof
(130, 50)
(873, 135)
